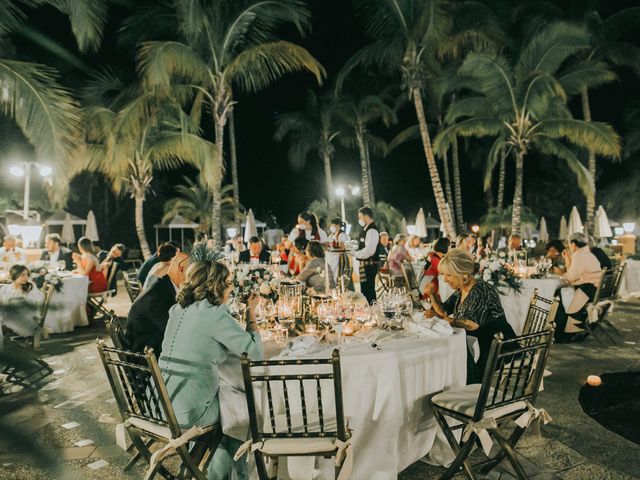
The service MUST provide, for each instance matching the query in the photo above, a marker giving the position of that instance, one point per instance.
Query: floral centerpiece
(41, 274)
(254, 278)
(495, 270)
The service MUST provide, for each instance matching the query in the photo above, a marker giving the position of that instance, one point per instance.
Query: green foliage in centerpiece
(496, 271)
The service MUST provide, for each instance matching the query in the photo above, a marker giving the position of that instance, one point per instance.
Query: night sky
(266, 180)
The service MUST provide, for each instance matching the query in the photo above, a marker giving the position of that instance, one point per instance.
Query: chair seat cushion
(298, 446)
(463, 400)
(153, 428)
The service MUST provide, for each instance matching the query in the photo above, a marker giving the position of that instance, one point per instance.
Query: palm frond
(406, 135)
(468, 107)
(494, 79)
(555, 148)
(258, 67)
(597, 137)
(88, 19)
(585, 74)
(10, 16)
(161, 62)
(473, 127)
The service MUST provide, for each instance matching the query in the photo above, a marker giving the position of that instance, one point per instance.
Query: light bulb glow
(45, 171)
(17, 171)
(340, 191)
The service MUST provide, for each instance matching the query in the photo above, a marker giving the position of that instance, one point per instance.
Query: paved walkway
(572, 447)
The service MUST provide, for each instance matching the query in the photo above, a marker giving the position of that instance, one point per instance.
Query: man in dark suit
(256, 253)
(55, 252)
(149, 313)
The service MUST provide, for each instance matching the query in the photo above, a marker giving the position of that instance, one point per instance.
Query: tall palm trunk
(364, 171)
(139, 218)
(516, 215)
(501, 178)
(455, 158)
(447, 180)
(216, 214)
(591, 199)
(438, 193)
(234, 169)
(372, 197)
(328, 177)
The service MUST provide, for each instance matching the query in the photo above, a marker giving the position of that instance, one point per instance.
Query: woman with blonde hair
(200, 337)
(474, 305)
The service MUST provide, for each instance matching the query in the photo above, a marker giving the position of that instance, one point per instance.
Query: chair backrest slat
(541, 313)
(314, 378)
(609, 284)
(116, 332)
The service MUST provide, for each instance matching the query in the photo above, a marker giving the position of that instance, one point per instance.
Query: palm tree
(221, 45)
(356, 114)
(523, 106)
(235, 183)
(134, 132)
(195, 203)
(44, 111)
(312, 130)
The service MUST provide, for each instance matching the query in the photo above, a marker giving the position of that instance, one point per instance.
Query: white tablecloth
(516, 304)
(68, 307)
(385, 396)
(630, 284)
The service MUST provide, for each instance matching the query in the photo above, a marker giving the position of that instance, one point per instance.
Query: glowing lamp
(355, 190)
(594, 380)
(475, 228)
(629, 227)
(618, 230)
(231, 232)
(411, 229)
(17, 171)
(45, 171)
(29, 233)
(340, 191)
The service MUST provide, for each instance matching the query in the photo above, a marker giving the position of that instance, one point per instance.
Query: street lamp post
(24, 170)
(341, 192)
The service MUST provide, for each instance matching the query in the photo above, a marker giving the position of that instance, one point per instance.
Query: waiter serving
(367, 253)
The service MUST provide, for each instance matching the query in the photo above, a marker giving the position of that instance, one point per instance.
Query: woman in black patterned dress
(474, 305)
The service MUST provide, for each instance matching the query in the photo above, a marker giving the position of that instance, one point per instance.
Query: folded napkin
(434, 327)
(301, 343)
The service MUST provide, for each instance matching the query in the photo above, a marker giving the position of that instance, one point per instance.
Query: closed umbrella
(562, 233)
(602, 227)
(575, 224)
(421, 224)
(403, 227)
(250, 229)
(91, 231)
(544, 234)
(68, 236)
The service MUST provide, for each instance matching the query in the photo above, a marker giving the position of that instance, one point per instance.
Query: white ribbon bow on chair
(173, 444)
(532, 413)
(480, 429)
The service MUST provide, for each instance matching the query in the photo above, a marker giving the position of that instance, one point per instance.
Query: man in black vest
(149, 313)
(367, 253)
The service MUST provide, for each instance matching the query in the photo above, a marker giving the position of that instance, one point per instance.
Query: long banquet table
(385, 395)
(630, 284)
(68, 307)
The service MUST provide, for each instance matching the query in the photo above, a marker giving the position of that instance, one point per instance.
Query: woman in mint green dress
(201, 335)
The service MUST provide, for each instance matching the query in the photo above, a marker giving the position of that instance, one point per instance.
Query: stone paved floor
(572, 447)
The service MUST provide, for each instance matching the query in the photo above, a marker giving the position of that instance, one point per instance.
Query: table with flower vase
(630, 283)
(387, 379)
(516, 304)
(68, 306)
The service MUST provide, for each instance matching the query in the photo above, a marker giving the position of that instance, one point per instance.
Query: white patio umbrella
(575, 224)
(403, 227)
(562, 233)
(92, 228)
(250, 228)
(67, 230)
(602, 227)
(421, 224)
(544, 233)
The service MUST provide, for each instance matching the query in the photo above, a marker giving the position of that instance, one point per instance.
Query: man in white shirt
(10, 254)
(367, 253)
(54, 251)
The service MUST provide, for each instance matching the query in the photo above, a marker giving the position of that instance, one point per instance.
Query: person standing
(367, 253)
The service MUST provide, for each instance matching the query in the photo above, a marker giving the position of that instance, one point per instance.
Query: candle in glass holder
(347, 330)
(594, 380)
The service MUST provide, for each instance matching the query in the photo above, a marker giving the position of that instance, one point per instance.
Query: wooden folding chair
(412, 285)
(132, 285)
(508, 392)
(385, 280)
(116, 333)
(32, 342)
(541, 314)
(299, 420)
(25, 371)
(604, 298)
(143, 401)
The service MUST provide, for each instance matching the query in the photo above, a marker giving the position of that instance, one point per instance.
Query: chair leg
(188, 461)
(495, 461)
(509, 453)
(136, 457)
(461, 452)
(261, 466)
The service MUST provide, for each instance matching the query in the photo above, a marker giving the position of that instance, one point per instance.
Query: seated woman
(314, 273)
(201, 335)
(555, 248)
(297, 258)
(398, 255)
(431, 270)
(474, 305)
(20, 290)
(166, 252)
(414, 247)
(88, 265)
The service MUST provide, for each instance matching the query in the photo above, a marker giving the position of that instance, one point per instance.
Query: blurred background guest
(165, 254)
(151, 261)
(114, 259)
(87, 264)
(337, 241)
(314, 272)
(308, 228)
(10, 253)
(256, 254)
(398, 255)
(20, 290)
(385, 247)
(431, 270)
(555, 248)
(297, 257)
(54, 251)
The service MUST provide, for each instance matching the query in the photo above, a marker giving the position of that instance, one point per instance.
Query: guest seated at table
(87, 264)
(583, 273)
(314, 272)
(513, 248)
(200, 337)
(20, 290)
(440, 249)
(414, 247)
(114, 259)
(461, 241)
(146, 266)
(165, 254)
(474, 305)
(284, 249)
(237, 244)
(10, 253)
(256, 253)
(149, 313)
(337, 241)
(398, 255)
(483, 249)
(54, 251)
(384, 247)
(308, 228)
(555, 248)
(297, 257)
